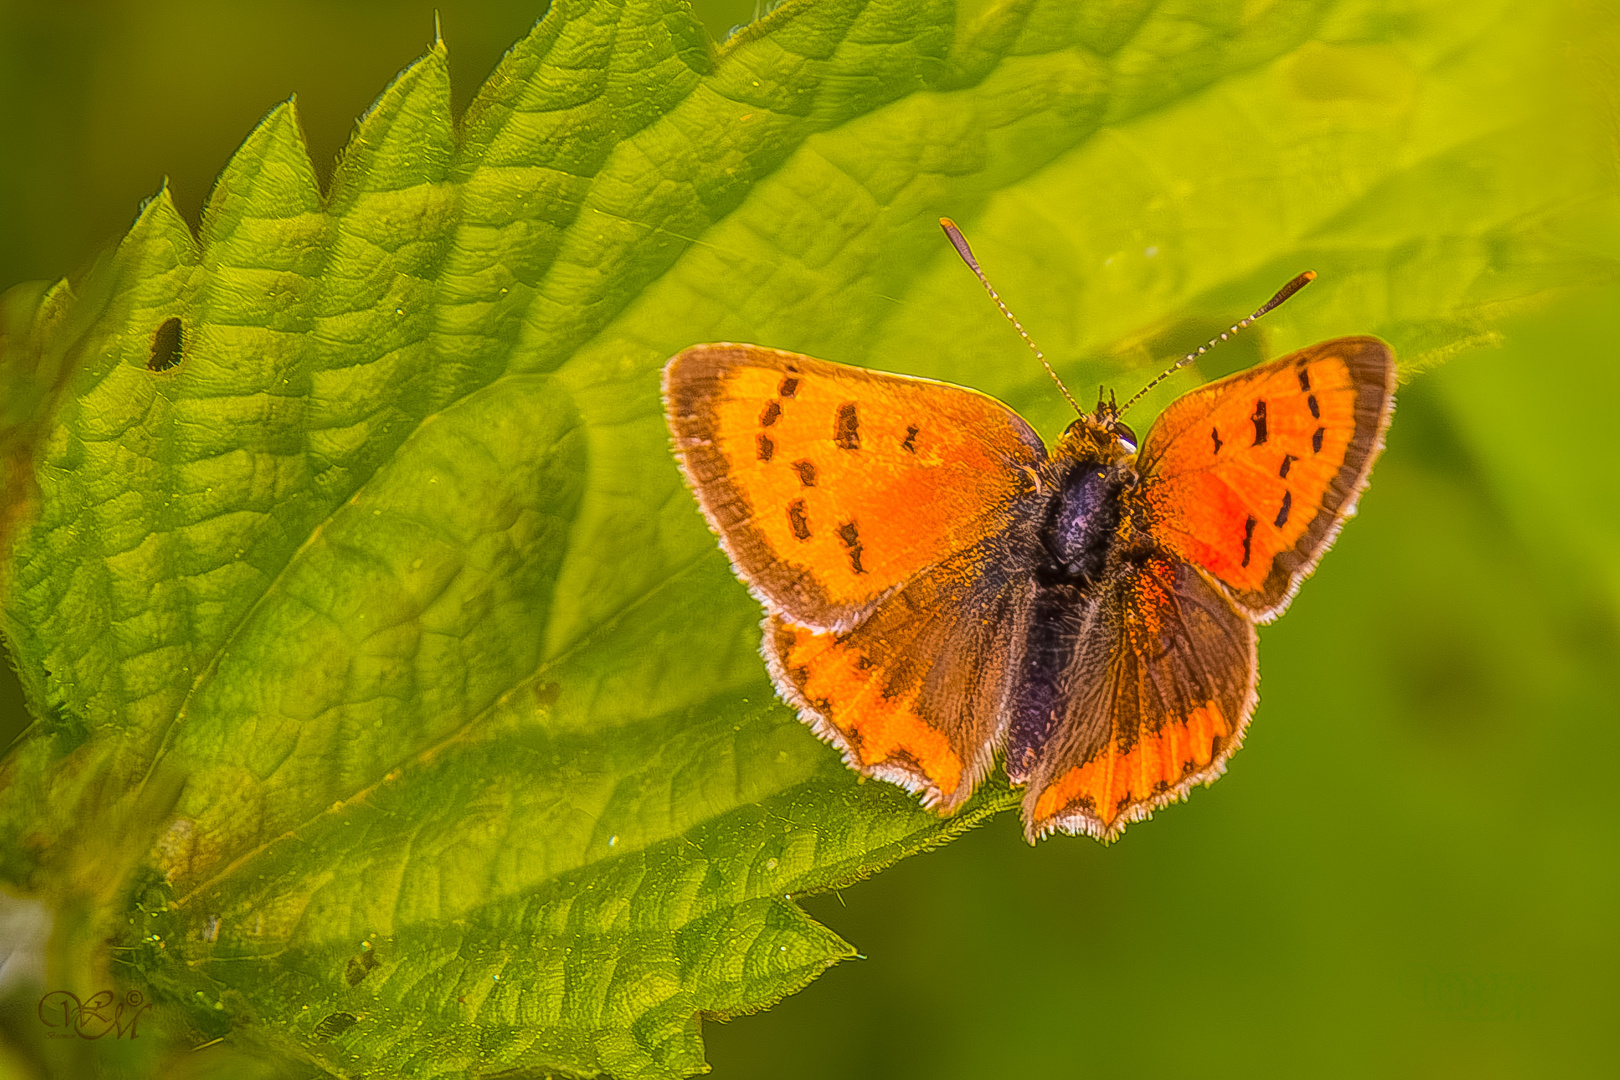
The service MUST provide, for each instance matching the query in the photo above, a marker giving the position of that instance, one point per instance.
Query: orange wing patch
(1251, 476)
(829, 485)
(843, 693)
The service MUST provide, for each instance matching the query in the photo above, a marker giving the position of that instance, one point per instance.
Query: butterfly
(941, 588)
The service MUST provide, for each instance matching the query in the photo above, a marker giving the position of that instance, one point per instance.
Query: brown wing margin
(1156, 703)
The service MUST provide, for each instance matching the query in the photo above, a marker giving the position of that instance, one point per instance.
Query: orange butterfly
(940, 586)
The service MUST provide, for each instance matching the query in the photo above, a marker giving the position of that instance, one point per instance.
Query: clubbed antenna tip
(1281, 294)
(959, 242)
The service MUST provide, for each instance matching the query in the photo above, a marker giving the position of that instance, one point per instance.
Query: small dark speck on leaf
(167, 344)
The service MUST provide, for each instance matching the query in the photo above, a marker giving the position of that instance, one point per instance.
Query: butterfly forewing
(1250, 476)
(831, 485)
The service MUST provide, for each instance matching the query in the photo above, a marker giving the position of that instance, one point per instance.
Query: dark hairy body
(1078, 543)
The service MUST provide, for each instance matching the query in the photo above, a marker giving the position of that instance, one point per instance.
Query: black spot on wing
(1316, 440)
(847, 428)
(797, 519)
(1248, 537)
(910, 441)
(1316, 410)
(850, 534)
(1282, 515)
(1304, 379)
(1288, 460)
(1259, 419)
(768, 417)
(789, 386)
(1215, 434)
(764, 447)
(806, 471)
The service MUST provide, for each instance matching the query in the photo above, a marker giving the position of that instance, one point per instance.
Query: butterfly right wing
(830, 486)
(1156, 695)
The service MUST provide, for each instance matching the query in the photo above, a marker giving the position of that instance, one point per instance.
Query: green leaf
(384, 668)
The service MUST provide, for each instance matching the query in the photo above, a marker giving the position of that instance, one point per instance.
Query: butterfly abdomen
(1076, 541)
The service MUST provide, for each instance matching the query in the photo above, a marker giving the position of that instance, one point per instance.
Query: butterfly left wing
(1250, 476)
(1157, 693)
(830, 485)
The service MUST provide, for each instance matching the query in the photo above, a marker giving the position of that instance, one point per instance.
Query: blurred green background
(1410, 870)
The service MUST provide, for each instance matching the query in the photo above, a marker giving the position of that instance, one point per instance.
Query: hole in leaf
(335, 1025)
(166, 346)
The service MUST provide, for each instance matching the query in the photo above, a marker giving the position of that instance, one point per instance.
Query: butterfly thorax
(1087, 473)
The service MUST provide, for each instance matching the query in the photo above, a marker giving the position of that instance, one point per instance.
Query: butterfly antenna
(1282, 294)
(959, 242)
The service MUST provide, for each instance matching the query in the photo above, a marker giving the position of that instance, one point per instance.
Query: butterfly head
(1099, 436)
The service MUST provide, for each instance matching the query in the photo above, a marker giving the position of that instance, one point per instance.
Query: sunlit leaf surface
(348, 571)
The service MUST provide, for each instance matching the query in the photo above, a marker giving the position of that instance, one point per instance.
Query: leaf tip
(156, 210)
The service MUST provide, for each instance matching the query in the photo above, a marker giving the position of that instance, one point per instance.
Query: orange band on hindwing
(1108, 784)
(877, 727)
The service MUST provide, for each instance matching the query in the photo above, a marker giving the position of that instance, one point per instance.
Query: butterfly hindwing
(830, 485)
(913, 694)
(1158, 690)
(1251, 476)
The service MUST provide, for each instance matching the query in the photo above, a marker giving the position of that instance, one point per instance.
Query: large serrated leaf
(430, 716)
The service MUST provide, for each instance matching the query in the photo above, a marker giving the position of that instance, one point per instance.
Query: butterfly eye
(1123, 430)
